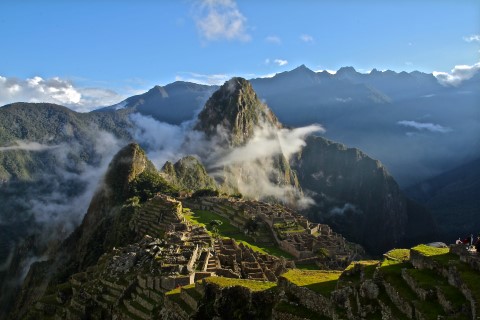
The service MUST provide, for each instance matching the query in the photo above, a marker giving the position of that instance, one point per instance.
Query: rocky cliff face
(357, 196)
(233, 113)
(189, 174)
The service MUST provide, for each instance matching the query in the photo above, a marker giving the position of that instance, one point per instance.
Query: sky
(89, 53)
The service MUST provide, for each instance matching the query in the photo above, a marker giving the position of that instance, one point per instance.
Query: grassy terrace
(177, 290)
(284, 229)
(323, 282)
(392, 273)
(398, 254)
(441, 255)
(203, 217)
(429, 280)
(368, 267)
(250, 284)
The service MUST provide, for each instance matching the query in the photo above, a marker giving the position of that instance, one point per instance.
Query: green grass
(298, 310)
(203, 217)
(470, 278)
(398, 254)
(323, 282)
(177, 290)
(429, 309)
(440, 255)
(308, 266)
(250, 284)
(392, 273)
(368, 267)
(386, 300)
(429, 251)
(429, 280)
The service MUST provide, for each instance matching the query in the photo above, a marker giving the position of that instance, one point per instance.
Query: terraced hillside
(423, 282)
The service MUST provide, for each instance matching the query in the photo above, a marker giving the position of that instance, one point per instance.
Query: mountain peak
(346, 71)
(157, 90)
(236, 107)
(302, 68)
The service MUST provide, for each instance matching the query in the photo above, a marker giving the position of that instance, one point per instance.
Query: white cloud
(280, 62)
(472, 38)
(457, 74)
(273, 39)
(306, 38)
(27, 146)
(55, 90)
(424, 126)
(208, 79)
(268, 141)
(219, 20)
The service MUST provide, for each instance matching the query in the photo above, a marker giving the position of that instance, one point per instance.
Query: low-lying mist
(251, 169)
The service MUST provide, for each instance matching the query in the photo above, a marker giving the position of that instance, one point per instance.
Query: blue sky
(127, 46)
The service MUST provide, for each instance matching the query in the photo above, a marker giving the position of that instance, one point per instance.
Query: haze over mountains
(416, 126)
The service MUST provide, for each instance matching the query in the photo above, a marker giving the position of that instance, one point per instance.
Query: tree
(252, 225)
(214, 224)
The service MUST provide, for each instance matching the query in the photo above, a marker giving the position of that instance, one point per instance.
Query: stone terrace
(291, 231)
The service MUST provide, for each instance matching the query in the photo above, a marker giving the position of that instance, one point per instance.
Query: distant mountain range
(414, 125)
(454, 199)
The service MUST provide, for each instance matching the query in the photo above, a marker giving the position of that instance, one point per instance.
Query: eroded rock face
(357, 197)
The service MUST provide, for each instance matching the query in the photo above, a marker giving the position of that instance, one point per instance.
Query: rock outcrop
(188, 174)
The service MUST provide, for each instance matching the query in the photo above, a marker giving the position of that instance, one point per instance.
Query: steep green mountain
(356, 195)
(50, 161)
(188, 174)
(52, 127)
(454, 200)
(173, 103)
(105, 225)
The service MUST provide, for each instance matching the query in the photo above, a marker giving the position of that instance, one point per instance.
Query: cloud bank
(55, 90)
(427, 126)
(457, 75)
(27, 146)
(220, 20)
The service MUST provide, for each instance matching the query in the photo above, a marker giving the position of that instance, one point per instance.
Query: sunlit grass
(320, 281)
(226, 229)
(250, 284)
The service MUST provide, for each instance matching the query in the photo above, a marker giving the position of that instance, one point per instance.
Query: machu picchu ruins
(179, 269)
